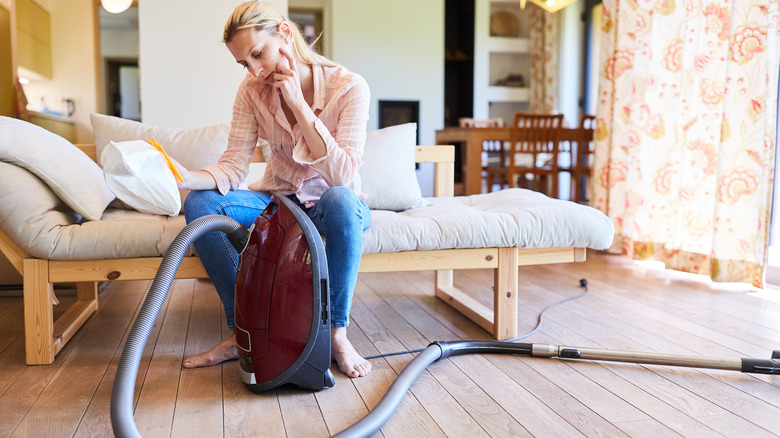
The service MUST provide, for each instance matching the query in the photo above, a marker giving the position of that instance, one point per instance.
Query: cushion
(388, 172)
(507, 218)
(194, 148)
(32, 217)
(70, 173)
(513, 217)
(43, 226)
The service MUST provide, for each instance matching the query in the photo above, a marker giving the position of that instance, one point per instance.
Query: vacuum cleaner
(282, 304)
(283, 320)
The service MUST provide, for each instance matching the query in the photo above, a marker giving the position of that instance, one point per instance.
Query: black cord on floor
(583, 285)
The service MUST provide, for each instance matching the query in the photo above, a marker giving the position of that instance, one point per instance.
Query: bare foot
(219, 353)
(350, 362)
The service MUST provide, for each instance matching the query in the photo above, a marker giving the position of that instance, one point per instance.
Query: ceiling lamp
(548, 5)
(116, 6)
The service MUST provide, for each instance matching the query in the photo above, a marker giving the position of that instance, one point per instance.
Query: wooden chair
(491, 149)
(532, 154)
(581, 160)
(466, 122)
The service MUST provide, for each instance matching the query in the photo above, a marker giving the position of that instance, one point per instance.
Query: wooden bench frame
(45, 337)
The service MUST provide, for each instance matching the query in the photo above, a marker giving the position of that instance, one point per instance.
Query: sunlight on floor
(657, 266)
(771, 293)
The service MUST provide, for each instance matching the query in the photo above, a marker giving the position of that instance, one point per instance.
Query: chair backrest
(588, 121)
(466, 122)
(535, 133)
(587, 130)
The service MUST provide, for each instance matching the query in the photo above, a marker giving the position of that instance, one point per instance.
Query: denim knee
(201, 203)
(341, 204)
(339, 195)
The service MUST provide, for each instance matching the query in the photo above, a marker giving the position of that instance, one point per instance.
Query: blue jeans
(339, 215)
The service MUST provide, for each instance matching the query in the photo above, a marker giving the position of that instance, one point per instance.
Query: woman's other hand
(193, 179)
(185, 175)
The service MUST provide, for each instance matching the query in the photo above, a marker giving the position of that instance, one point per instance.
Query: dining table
(471, 140)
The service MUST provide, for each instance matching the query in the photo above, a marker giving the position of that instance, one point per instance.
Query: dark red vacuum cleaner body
(282, 304)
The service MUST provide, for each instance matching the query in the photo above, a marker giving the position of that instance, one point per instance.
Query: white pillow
(194, 148)
(388, 173)
(70, 173)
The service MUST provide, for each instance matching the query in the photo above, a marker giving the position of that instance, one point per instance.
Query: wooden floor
(630, 306)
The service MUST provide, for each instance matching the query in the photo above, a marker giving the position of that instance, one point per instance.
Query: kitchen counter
(63, 126)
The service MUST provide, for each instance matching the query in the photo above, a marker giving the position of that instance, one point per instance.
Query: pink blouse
(341, 103)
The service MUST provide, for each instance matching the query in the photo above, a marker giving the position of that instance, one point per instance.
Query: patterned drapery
(543, 50)
(685, 138)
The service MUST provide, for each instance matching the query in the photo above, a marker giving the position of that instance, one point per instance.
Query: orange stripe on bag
(167, 158)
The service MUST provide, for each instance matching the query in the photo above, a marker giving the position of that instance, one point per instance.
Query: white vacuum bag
(139, 175)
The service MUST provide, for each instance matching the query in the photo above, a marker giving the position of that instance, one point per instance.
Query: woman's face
(258, 51)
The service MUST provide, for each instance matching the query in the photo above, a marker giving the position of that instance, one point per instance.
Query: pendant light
(116, 6)
(548, 5)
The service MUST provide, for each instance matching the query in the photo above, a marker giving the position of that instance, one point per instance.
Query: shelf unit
(500, 50)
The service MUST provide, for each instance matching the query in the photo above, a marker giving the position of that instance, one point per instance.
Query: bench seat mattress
(43, 227)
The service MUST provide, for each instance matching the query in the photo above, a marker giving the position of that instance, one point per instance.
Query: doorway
(310, 20)
(119, 74)
(123, 93)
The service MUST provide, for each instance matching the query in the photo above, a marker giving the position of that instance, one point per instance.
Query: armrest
(443, 157)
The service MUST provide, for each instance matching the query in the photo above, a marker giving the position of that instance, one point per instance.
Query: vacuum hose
(122, 420)
(378, 416)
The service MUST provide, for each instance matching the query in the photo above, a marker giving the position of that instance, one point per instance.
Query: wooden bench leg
(502, 320)
(462, 302)
(505, 295)
(43, 336)
(444, 279)
(87, 291)
(38, 313)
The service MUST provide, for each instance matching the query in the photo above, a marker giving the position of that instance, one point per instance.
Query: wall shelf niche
(501, 59)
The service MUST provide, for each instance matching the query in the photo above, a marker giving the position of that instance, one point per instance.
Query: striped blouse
(341, 103)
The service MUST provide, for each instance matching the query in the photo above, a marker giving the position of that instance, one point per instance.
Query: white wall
(570, 60)
(398, 47)
(188, 77)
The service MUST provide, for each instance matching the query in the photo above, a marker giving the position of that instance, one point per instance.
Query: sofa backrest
(442, 156)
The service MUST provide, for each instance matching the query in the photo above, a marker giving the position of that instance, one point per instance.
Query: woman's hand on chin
(287, 80)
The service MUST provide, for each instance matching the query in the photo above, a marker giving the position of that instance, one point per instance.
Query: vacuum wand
(746, 365)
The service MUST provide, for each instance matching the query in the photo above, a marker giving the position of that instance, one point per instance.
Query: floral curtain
(686, 131)
(543, 50)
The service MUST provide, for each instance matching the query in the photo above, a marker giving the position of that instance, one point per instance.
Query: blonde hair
(264, 16)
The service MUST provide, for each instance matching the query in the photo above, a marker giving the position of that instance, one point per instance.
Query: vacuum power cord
(583, 285)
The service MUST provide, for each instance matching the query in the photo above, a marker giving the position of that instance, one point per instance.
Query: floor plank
(59, 408)
(155, 404)
(630, 306)
(94, 421)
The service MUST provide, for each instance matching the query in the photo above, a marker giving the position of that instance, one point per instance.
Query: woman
(313, 113)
